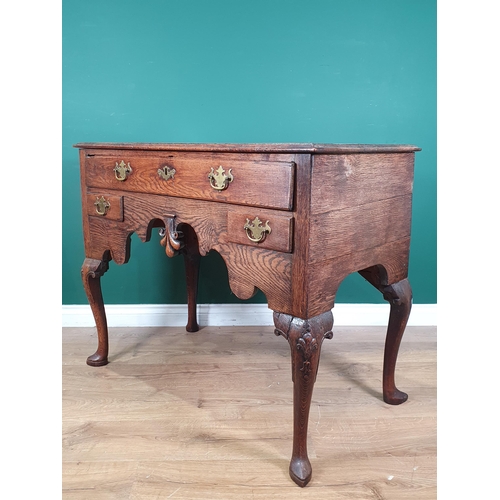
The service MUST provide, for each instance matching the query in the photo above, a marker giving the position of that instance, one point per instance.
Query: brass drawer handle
(219, 180)
(101, 205)
(255, 231)
(166, 173)
(122, 171)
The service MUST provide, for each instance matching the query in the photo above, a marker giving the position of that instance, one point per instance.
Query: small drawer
(261, 228)
(217, 177)
(108, 206)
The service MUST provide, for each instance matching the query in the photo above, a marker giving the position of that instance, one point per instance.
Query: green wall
(339, 71)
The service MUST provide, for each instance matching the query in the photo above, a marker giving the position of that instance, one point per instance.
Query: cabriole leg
(192, 264)
(305, 338)
(182, 239)
(92, 270)
(399, 295)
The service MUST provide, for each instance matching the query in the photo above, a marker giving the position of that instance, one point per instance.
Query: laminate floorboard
(208, 415)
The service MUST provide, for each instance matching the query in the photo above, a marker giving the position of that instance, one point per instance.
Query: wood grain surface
(209, 415)
(115, 210)
(280, 238)
(344, 204)
(350, 230)
(249, 267)
(304, 147)
(342, 181)
(330, 273)
(256, 181)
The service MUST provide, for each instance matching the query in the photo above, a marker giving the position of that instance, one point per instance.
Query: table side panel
(302, 222)
(343, 181)
(341, 232)
(328, 274)
(360, 217)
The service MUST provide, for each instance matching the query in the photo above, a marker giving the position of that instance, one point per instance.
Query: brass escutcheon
(101, 205)
(219, 180)
(166, 173)
(121, 171)
(255, 231)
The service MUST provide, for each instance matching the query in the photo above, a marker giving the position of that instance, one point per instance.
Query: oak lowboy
(292, 220)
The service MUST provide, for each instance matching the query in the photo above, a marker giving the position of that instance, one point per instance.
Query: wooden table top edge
(255, 148)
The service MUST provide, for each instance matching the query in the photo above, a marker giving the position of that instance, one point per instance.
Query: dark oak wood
(254, 179)
(92, 270)
(292, 220)
(349, 180)
(361, 227)
(115, 210)
(300, 269)
(400, 297)
(280, 238)
(192, 259)
(328, 274)
(305, 338)
(255, 148)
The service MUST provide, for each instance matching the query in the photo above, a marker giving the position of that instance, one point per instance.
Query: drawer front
(223, 178)
(105, 205)
(261, 228)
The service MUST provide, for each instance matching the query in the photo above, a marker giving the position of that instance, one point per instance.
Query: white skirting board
(235, 315)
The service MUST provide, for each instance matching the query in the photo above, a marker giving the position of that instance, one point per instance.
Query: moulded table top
(256, 148)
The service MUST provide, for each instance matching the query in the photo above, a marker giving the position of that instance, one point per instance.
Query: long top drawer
(226, 178)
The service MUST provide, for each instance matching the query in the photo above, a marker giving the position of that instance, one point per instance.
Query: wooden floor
(208, 415)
